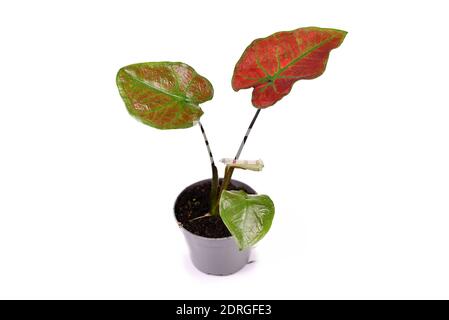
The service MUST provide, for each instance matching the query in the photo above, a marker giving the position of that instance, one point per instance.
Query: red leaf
(272, 65)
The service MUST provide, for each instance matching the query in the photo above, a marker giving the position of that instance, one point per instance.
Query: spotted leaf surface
(247, 217)
(272, 65)
(164, 95)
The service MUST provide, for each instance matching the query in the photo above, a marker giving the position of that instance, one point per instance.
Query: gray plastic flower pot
(216, 256)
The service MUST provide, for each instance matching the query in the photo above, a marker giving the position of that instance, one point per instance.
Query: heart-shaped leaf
(272, 65)
(248, 217)
(164, 95)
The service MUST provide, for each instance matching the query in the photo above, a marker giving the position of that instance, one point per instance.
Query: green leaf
(248, 217)
(164, 95)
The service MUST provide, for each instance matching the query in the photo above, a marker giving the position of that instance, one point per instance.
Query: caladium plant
(167, 95)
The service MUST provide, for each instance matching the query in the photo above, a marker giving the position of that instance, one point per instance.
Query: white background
(357, 161)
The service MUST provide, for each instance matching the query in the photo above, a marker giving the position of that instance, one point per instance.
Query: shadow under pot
(213, 250)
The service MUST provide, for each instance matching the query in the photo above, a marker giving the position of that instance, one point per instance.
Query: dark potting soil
(194, 202)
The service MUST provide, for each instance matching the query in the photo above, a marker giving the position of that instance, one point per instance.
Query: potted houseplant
(223, 218)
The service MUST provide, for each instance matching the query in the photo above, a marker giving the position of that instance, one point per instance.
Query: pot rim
(191, 233)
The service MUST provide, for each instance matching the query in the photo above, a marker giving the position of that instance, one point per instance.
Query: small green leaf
(164, 95)
(248, 217)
